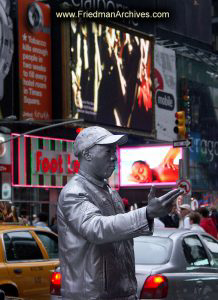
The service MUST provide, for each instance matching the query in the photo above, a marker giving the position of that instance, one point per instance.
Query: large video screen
(111, 76)
(149, 165)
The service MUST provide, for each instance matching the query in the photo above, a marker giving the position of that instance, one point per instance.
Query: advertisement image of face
(159, 164)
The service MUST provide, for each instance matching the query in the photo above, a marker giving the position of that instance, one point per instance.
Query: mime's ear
(87, 155)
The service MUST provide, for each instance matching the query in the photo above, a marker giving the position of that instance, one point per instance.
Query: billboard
(45, 162)
(111, 76)
(165, 92)
(203, 92)
(6, 61)
(149, 165)
(34, 47)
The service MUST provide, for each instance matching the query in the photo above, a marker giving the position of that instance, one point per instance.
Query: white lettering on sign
(208, 148)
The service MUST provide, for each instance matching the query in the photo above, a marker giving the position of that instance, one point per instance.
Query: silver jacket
(95, 241)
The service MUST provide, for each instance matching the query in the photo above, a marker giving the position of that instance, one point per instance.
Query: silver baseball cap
(185, 206)
(96, 135)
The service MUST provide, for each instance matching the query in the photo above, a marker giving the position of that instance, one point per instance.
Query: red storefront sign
(42, 161)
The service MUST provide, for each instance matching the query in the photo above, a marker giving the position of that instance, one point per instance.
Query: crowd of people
(9, 214)
(203, 219)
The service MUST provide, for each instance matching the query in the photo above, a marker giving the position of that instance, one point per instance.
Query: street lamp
(43, 128)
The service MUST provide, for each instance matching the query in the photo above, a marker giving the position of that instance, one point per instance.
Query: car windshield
(152, 250)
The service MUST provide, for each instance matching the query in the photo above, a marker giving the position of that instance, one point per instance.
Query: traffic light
(185, 95)
(180, 121)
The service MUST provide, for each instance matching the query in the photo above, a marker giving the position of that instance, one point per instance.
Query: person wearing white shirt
(184, 222)
(195, 219)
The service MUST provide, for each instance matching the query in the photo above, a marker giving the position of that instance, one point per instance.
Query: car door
(203, 278)
(49, 241)
(25, 263)
(212, 248)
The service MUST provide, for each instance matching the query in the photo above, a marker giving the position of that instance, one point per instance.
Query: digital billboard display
(111, 76)
(149, 165)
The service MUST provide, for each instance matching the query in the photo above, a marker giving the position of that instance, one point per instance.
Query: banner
(165, 92)
(34, 47)
(111, 76)
(149, 165)
(6, 58)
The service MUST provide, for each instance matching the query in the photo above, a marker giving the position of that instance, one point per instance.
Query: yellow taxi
(28, 255)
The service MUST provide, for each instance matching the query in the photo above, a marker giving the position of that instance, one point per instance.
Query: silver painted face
(103, 160)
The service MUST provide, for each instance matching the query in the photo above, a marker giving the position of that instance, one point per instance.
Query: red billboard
(34, 45)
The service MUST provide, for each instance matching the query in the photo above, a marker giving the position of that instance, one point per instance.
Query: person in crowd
(94, 232)
(8, 212)
(184, 221)
(35, 219)
(214, 216)
(24, 218)
(195, 219)
(206, 222)
(171, 219)
(54, 226)
(42, 220)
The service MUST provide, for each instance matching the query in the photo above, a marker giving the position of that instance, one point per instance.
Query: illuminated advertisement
(5, 158)
(149, 165)
(111, 76)
(34, 60)
(5, 167)
(45, 162)
(6, 58)
(165, 92)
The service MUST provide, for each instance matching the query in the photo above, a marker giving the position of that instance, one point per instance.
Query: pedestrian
(95, 234)
(195, 218)
(172, 219)
(184, 221)
(53, 225)
(206, 222)
(35, 219)
(214, 216)
(42, 220)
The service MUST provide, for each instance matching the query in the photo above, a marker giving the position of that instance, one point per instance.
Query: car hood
(143, 271)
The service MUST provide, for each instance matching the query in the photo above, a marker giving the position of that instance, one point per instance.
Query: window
(212, 245)
(152, 250)
(50, 243)
(194, 251)
(20, 245)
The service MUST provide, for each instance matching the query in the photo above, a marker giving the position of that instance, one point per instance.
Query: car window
(152, 250)
(50, 242)
(20, 245)
(213, 248)
(194, 251)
